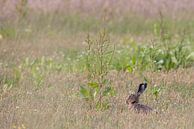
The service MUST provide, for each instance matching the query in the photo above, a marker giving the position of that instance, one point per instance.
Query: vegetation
(99, 54)
(61, 70)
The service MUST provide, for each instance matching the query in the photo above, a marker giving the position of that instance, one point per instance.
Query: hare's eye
(133, 102)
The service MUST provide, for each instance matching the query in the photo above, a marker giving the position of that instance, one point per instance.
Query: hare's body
(140, 108)
(133, 101)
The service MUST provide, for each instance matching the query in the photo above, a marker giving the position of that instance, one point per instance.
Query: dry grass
(57, 104)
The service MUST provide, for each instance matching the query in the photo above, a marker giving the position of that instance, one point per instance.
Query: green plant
(11, 80)
(167, 54)
(99, 53)
(171, 57)
(121, 59)
(154, 57)
(7, 31)
(156, 91)
(131, 57)
(38, 76)
(36, 69)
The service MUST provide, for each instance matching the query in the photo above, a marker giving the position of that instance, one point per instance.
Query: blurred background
(65, 23)
(147, 9)
(85, 15)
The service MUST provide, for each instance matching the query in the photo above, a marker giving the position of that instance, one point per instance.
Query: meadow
(72, 64)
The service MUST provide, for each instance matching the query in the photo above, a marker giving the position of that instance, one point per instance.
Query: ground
(42, 67)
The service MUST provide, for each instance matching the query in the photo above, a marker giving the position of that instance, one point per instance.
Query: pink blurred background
(147, 8)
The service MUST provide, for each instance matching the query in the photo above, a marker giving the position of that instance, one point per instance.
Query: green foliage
(39, 68)
(8, 31)
(133, 57)
(11, 80)
(47, 64)
(89, 92)
(159, 57)
(139, 59)
(99, 54)
(93, 94)
(121, 59)
(38, 76)
(126, 56)
(156, 91)
(74, 61)
(169, 54)
(172, 57)
(166, 52)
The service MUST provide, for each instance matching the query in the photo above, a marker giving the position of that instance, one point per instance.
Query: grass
(43, 65)
(58, 106)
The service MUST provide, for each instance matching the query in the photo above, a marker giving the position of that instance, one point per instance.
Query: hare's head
(134, 98)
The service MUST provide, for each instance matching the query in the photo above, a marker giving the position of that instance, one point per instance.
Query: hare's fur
(133, 100)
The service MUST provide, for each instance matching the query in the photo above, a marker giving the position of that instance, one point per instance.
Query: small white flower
(161, 62)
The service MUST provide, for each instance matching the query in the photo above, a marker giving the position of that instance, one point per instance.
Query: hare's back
(142, 108)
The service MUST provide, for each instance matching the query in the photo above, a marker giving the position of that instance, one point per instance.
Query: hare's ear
(142, 88)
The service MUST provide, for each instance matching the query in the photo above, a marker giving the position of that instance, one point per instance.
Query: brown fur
(133, 101)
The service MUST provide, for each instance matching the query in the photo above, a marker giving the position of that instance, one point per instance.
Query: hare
(133, 101)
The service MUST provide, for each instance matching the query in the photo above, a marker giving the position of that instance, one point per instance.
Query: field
(72, 64)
